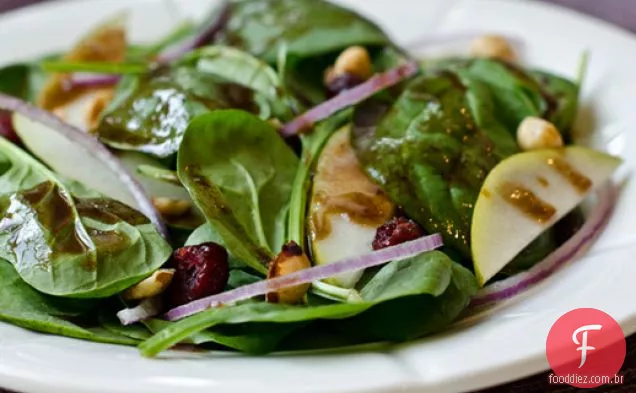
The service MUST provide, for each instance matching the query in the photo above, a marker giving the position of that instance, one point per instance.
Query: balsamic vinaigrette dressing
(532, 206)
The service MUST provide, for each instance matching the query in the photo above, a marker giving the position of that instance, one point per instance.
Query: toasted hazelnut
(290, 260)
(169, 207)
(535, 133)
(354, 60)
(494, 46)
(151, 286)
(275, 122)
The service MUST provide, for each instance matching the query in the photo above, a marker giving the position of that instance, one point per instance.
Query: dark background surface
(622, 13)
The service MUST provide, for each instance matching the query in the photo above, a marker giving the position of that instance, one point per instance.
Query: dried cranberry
(338, 83)
(6, 127)
(395, 231)
(201, 271)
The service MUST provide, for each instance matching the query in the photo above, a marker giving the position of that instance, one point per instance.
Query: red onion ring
(521, 282)
(350, 97)
(174, 52)
(202, 37)
(92, 145)
(86, 80)
(316, 273)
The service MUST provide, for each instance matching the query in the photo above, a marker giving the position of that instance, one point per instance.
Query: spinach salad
(282, 176)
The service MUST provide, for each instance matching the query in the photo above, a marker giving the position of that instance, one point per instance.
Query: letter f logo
(583, 344)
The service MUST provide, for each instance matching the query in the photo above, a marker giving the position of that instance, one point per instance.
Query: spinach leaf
(432, 275)
(514, 93)
(243, 69)
(307, 28)
(118, 68)
(310, 34)
(22, 80)
(431, 154)
(565, 101)
(108, 321)
(251, 338)
(450, 127)
(14, 80)
(70, 246)
(150, 113)
(23, 306)
(414, 316)
(239, 172)
(395, 279)
(518, 93)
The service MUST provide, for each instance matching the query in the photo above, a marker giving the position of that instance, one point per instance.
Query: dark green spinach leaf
(565, 101)
(414, 316)
(70, 246)
(431, 153)
(250, 338)
(450, 127)
(23, 80)
(150, 113)
(23, 306)
(109, 321)
(307, 28)
(241, 68)
(239, 172)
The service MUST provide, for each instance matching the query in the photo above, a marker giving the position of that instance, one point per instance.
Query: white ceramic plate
(501, 346)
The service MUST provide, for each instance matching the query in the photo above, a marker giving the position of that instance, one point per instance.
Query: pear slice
(526, 194)
(346, 208)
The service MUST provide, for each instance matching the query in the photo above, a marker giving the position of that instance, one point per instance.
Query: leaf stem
(256, 212)
(94, 67)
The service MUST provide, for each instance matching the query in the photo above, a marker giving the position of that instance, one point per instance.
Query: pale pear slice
(526, 194)
(66, 156)
(346, 208)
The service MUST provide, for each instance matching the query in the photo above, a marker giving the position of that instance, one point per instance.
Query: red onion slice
(521, 282)
(173, 52)
(90, 80)
(200, 38)
(316, 273)
(350, 97)
(92, 146)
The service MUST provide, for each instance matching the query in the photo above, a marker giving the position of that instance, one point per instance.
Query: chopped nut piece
(290, 260)
(275, 122)
(493, 46)
(151, 286)
(535, 133)
(171, 207)
(354, 60)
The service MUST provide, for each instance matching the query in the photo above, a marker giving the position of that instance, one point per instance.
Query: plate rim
(530, 365)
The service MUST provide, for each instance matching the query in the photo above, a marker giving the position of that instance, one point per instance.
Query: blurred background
(620, 12)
